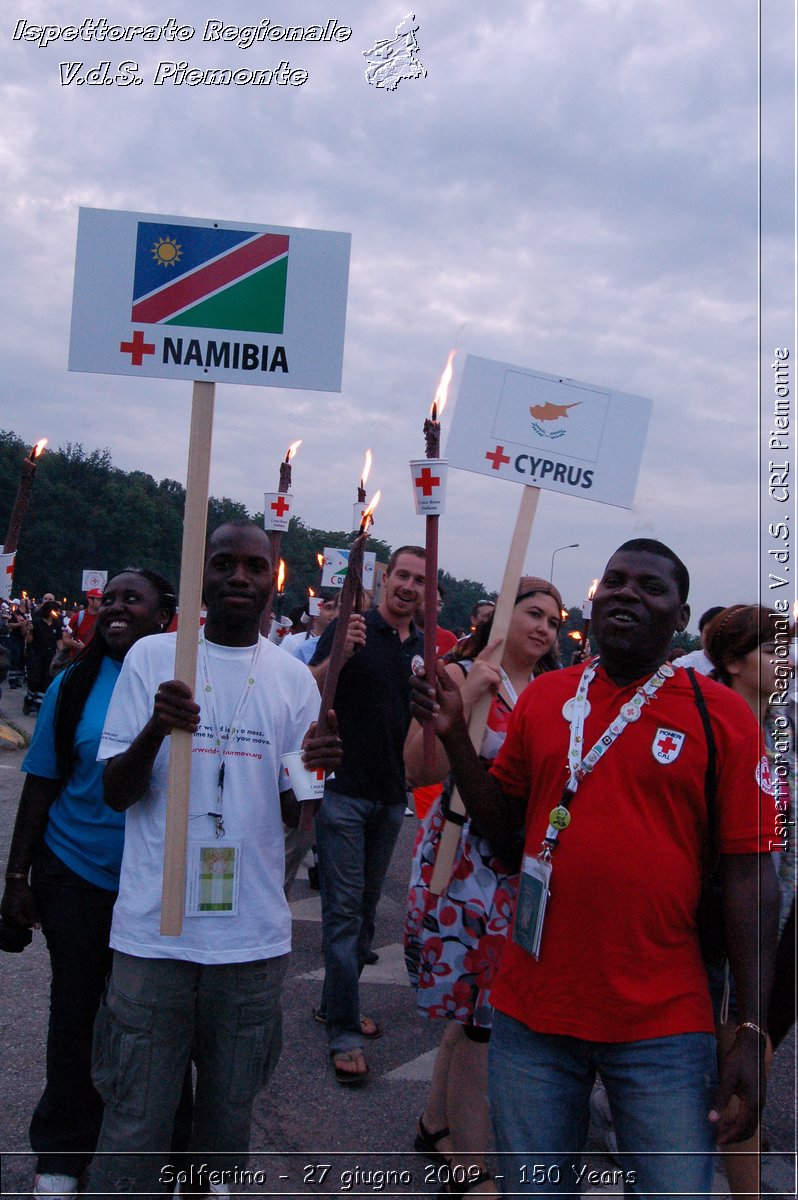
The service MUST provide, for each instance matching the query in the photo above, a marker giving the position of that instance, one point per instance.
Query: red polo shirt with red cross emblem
(619, 957)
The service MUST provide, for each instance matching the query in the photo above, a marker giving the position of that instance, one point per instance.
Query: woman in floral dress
(453, 941)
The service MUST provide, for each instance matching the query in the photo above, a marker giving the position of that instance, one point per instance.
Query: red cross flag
(93, 579)
(277, 507)
(6, 574)
(429, 485)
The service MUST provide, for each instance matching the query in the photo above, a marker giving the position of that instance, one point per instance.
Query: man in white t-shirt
(213, 993)
(303, 645)
(698, 659)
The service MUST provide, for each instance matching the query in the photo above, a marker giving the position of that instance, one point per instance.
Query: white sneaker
(54, 1186)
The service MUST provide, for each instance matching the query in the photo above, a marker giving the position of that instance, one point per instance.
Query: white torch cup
(307, 785)
(429, 485)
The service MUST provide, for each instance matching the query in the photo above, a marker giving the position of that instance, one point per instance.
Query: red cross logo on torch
(427, 481)
(497, 457)
(280, 507)
(137, 348)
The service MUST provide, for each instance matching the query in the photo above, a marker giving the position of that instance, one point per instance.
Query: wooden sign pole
(191, 570)
(447, 847)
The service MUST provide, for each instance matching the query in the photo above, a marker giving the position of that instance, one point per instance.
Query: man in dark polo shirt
(360, 818)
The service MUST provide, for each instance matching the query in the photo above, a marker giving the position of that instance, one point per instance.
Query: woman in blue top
(70, 843)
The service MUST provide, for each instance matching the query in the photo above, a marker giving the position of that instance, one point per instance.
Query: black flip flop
(348, 1078)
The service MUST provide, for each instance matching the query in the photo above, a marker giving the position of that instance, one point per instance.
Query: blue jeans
(355, 839)
(660, 1091)
(157, 1014)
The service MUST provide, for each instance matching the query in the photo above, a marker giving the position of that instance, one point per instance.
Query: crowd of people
(39, 639)
(617, 916)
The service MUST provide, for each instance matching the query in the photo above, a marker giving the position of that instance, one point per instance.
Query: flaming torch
(29, 465)
(429, 489)
(277, 505)
(9, 548)
(360, 504)
(349, 594)
(275, 623)
(587, 612)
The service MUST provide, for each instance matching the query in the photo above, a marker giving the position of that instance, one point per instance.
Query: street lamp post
(573, 546)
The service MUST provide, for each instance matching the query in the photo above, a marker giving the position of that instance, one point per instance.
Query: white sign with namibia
(554, 433)
(186, 298)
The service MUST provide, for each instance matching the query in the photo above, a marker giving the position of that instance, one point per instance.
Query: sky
(573, 188)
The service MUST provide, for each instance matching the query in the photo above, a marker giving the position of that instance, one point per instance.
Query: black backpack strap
(710, 776)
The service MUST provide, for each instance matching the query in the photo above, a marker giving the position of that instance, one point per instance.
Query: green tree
(85, 513)
(460, 597)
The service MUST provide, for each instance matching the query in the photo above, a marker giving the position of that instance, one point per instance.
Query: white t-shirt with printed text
(279, 707)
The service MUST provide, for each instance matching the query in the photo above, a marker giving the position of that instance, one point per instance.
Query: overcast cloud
(573, 188)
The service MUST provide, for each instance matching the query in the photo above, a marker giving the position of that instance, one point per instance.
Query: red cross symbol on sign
(497, 457)
(10, 567)
(667, 744)
(319, 773)
(137, 348)
(427, 481)
(280, 507)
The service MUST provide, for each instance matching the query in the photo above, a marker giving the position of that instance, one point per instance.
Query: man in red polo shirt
(83, 622)
(604, 774)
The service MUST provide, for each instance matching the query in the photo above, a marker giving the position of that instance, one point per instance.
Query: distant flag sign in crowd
(187, 298)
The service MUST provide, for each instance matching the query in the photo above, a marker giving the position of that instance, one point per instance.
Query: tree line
(86, 514)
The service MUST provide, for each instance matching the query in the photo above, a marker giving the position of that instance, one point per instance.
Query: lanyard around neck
(578, 765)
(222, 744)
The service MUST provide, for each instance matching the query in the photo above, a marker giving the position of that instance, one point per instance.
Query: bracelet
(751, 1025)
(16, 875)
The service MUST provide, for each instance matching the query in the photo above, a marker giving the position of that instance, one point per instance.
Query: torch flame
(281, 576)
(366, 469)
(592, 589)
(576, 635)
(292, 449)
(320, 559)
(442, 390)
(311, 592)
(368, 515)
(37, 449)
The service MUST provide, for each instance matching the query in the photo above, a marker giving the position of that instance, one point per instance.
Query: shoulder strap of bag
(710, 776)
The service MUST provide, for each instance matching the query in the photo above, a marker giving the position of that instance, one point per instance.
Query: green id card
(533, 894)
(212, 880)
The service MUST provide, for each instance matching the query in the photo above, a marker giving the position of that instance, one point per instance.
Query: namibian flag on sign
(210, 278)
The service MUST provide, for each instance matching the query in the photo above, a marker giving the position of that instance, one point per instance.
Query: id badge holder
(533, 894)
(212, 878)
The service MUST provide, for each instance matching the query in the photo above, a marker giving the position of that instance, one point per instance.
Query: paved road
(311, 1136)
